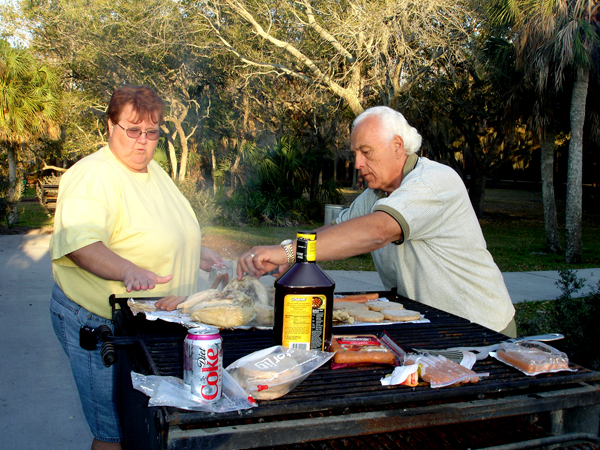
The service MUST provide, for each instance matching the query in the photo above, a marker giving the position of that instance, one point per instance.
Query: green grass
(513, 227)
(34, 215)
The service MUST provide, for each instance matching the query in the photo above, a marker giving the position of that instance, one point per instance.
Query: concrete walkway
(39, 405)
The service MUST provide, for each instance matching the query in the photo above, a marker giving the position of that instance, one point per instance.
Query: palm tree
(556, 40)
(29, 108)
(543, 114)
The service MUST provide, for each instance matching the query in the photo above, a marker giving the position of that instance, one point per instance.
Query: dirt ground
(229, 249)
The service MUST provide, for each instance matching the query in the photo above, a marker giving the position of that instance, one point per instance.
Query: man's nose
(358, 161)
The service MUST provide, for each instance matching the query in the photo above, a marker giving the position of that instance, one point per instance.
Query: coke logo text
(210, 373)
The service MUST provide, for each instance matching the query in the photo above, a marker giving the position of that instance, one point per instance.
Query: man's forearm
(357, 236)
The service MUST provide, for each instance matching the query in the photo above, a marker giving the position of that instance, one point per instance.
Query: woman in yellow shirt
(121, 227)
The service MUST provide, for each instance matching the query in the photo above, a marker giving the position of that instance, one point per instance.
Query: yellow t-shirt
(142, 217)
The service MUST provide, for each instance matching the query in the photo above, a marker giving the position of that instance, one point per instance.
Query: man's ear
(399, 146)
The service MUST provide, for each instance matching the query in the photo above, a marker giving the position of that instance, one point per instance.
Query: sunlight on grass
(513, 227)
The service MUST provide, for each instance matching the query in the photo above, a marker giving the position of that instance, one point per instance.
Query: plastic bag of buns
(273, 372)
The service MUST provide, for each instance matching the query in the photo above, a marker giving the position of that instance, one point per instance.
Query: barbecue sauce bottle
(304, 301)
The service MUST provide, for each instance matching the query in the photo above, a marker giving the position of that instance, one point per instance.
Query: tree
(461, 114)
(562, 35)
(102, 44)
(542, 114)
(362, 51)
(29, 107)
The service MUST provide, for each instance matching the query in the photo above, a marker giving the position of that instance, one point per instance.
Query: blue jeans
(94, 380)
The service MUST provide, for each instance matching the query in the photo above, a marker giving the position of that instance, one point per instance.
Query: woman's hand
(260, 260)
(209, 258)
(98, 259)
(170, 302)
(138, 279)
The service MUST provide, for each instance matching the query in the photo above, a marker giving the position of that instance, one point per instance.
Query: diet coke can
(203, 362)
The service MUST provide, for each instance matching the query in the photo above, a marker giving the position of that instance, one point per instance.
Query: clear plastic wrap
(439, 371)
(171, 391)
(532, 357)
(220, 274)
(363, 350)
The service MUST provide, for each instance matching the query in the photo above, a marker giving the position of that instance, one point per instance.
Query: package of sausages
(440, 372)
(532, 357)
(364, 349)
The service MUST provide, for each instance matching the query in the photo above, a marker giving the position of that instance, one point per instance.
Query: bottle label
(307, 246)
(311, 251)
(304, 321)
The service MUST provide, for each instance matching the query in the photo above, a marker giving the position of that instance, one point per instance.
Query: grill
(331, 405)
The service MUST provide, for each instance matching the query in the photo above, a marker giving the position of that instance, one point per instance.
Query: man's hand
(260, 260)
(98, 259)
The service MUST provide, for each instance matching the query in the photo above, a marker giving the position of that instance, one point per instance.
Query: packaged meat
(364, 349)
(439, 371)
(532, 357)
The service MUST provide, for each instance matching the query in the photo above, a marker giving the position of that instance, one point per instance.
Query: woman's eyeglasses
(135, 133)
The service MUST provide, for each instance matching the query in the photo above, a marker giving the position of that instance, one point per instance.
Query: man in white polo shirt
(417, 221)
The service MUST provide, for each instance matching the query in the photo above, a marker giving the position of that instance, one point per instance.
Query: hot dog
(217, 281)
(439, 371)
(525, 362)
(359, 298)
(532, 357)
(359, 349)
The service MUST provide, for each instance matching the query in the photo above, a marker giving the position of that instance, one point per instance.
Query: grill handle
(107, 351)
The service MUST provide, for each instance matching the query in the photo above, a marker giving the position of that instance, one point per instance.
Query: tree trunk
(235, 168)
(477, 191)
(550, 218)
(213, 160)
(184, 150)
(574, 177)
(13, 215)
(172, 153)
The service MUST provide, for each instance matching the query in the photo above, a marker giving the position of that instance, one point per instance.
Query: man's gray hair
(394, 123)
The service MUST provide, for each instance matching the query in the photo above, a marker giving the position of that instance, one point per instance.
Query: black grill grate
(337, 392)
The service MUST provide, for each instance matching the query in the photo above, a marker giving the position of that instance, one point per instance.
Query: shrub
(5, 205)
(204, 204)
(276, 193)
(576, 318)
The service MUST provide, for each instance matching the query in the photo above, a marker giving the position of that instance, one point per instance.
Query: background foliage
(573, 316)
(260, 95)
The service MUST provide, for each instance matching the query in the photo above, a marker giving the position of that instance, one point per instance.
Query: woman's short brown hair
(146, 103)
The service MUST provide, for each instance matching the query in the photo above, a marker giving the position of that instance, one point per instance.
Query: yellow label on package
(303, 321)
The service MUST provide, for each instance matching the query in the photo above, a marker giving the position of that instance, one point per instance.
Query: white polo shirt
(443, 261)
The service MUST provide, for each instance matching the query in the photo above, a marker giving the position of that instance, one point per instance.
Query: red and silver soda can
(203, 362)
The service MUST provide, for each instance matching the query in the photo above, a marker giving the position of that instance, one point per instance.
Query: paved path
(39, 406)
